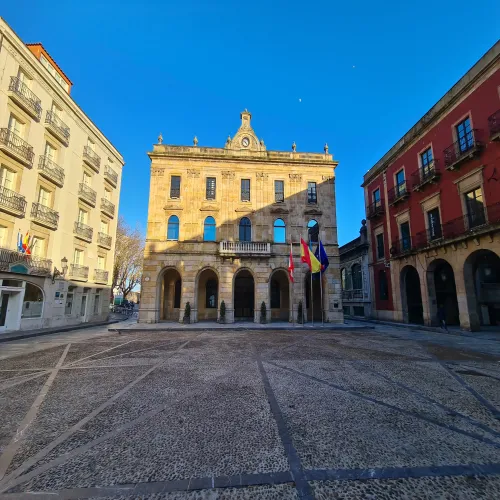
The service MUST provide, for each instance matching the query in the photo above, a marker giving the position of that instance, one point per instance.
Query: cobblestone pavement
(374, 414)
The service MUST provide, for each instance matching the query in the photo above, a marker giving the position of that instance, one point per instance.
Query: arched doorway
(170, 296)
(313, 308)
(280, 296)
(413, 311)
(482, 287)
(207, 298)
(244, 296)
(442, 292)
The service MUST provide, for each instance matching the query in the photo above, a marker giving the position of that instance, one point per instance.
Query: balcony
(83, 231)
(101, 276)
(352, 294)
(91, 158)
(375, 209)
(104, 240)
(397, 193)
(10, 259)
(24, 97)
(12, 145)
(110, 175)
(429, 174)
(402, 247)
(247, 248)
(494, 126)
(12, 202)
(45, 216)
(463, 150)
(87, 194)
(107, 207)
(51, 170)
(57, 127)
(78, 273)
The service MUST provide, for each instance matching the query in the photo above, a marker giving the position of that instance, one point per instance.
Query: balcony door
(475, 208)
(465, 135)
(7, 178)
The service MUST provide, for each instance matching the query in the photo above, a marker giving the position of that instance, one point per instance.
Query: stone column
(226, 273)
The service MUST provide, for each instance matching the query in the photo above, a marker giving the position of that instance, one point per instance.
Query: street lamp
(64, 268)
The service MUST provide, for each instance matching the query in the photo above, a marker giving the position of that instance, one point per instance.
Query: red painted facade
(482, 107)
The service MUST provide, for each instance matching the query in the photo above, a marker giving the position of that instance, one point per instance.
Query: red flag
(291, 267)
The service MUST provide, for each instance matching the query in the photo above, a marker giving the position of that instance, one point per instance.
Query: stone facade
(60, 181)
(355, 275)
(250, 203)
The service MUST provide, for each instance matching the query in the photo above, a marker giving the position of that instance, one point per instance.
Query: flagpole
(321, 282)
(312, 302)
(293, 295)
(302, 292)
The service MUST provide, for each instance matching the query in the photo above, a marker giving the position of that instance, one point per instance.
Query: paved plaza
(251, 414)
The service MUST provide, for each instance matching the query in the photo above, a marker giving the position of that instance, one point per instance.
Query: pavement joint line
(4, 386)
(478, 370)
(270, 478)
(69, 432)
(392, 407)
(433, 401)
(97, 353)
(301, 484)
(11, 449)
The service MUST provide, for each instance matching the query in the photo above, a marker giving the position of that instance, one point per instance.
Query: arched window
(357, 278)
(343, 278)
(209, 229)
(173, 228)
(245, 229)
(383, 288)
(279, 231)
(211, 294)
(313, 231)
(275, 295)
(33, 302)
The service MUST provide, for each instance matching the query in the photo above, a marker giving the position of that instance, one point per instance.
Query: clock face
(245, 142)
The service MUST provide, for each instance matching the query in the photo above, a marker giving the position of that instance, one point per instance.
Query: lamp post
(64, 268)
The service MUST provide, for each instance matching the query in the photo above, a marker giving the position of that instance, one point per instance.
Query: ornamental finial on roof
(294, 147)
(326, 148)
(195, 141)
(160, 139)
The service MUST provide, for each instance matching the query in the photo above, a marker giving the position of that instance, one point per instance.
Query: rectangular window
(405, 236)
(78, 257)
(380, 246)
(50, 152)
(211, 185)
(279, 191)
(376, 197)
(82, 216)
(7, 178)
(312, 196)
(16, 126)
(3, 236)
(175, 186)
(104, 227)
(465, 135)
(400, 183)
(44, 197)
(434, 224)
(107, 194)
(245, 189)
(87, 179)
(475, 208)
(38, 247)
(101, 262)
(69, 304)
(426, 161)
(90, 144)
(97, 303)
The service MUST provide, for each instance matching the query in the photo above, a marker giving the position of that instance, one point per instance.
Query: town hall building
(220, 225)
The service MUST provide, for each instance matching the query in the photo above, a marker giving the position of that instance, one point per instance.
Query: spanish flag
(308, 257)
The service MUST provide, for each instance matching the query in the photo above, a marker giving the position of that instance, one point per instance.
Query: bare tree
(129, 252)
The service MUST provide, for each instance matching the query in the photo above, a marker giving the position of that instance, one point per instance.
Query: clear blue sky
(365, 71)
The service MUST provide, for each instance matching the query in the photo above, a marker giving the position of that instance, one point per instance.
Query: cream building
(220, 224)
(60, 185)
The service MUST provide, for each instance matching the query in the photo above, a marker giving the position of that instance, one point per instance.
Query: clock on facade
(245, 142)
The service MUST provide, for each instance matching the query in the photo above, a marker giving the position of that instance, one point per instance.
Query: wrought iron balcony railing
(12, 144)
(110, 175)
(375, 209)
(45, 215)
(175, 192)
(494, 126)
(104, 240)
(398, 193)
(279, 197)
(78, 272)
(51, 170)
(107, 207)
(352, 294)
(12, 202)
(91, 158)
(424, 175)
(26, 97)
(402, 247)
(244, 248)
(57, 126)
(101, 276)
(86, 193)
(462, 150)
(83, 231)
(36, 265)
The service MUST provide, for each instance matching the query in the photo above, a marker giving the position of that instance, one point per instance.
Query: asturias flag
(308, 257)
(320, 254)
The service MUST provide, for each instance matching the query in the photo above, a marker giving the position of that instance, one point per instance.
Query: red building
(433, 210)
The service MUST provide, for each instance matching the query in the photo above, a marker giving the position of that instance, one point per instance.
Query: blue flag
(320, 254)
